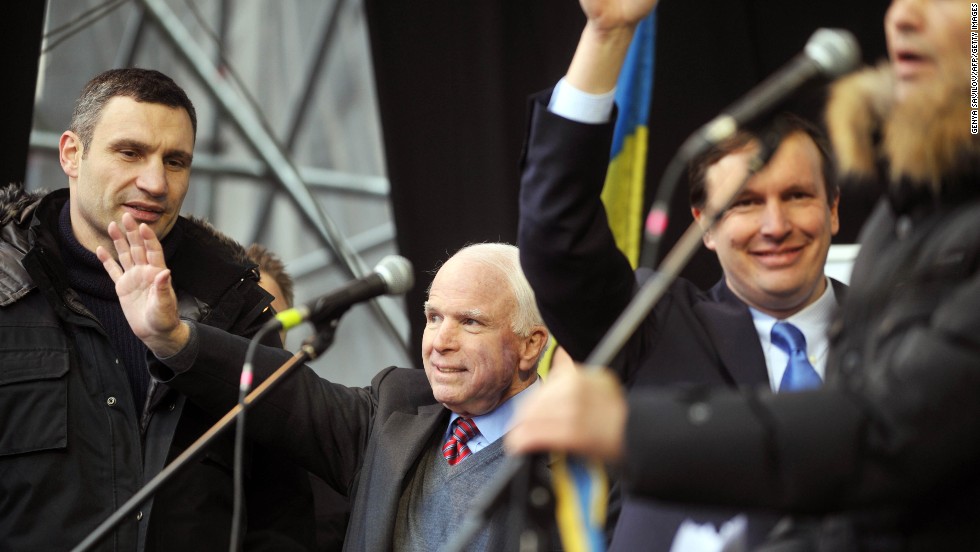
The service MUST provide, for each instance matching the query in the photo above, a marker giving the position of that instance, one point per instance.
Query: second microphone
(392, 276)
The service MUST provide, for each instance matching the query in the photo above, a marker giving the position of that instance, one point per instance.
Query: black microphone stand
(652, 290)
(313, 347)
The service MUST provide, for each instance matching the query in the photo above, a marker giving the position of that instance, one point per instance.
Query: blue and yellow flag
(626, 177)
(581, 487)
(581, 495)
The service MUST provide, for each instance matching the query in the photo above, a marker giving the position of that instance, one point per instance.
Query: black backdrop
(20, 48)
(453, 78)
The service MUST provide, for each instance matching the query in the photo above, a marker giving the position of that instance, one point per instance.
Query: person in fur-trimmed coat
(83, 425)
(884, 457)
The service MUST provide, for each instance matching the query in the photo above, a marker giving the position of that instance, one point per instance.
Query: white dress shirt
(813, 321)
(573, 104)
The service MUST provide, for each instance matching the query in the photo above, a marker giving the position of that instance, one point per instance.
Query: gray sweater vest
(437, 499)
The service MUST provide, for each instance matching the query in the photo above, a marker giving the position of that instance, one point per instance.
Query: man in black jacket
(84, 426)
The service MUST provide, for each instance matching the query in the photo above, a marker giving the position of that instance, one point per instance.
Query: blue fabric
(799, 374)
(634, 88)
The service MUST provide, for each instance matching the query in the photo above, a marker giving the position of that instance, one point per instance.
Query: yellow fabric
(570, 507)
(622, 194)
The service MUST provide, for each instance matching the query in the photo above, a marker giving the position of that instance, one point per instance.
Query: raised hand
(612, 14)
(575, 410)
(144, 286)
(605, 40)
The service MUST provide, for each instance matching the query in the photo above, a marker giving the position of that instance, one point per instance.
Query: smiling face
(772, 243)
(472, 357)
(138, 162)
(928, 44)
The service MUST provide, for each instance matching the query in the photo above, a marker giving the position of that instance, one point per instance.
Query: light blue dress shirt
(493, 425)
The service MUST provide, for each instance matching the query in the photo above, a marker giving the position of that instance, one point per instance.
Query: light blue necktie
(799, 374)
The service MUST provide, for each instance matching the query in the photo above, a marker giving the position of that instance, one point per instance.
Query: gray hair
(504, 257)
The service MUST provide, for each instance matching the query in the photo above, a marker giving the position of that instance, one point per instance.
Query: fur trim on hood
(923, 140)
(14, 203)
(237, 250)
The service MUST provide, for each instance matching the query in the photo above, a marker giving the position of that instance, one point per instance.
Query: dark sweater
(97, 292)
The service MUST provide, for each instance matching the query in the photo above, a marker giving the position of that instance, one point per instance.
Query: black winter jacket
(74, 447)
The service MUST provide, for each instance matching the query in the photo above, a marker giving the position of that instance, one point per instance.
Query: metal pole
(265, 146)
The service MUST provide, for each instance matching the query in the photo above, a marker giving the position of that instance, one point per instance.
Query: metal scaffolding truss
(272, 158)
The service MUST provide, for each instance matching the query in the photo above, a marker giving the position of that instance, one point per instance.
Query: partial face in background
(772, 243)
(928, 45)
(138, 162)
(472, 357)
(278, 304)
(269, 284)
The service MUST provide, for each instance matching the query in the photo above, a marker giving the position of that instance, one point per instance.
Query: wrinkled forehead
(468, 283)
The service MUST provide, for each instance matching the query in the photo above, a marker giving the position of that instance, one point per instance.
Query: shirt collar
(813, 320)
(494, 424)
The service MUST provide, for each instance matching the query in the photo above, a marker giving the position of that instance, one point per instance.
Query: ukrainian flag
(626, 177)
(625, 184)
(581, 495)
(581, 487)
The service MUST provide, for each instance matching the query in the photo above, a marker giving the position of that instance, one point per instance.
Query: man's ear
(707, 238)
(531, 348)
(834, 218)
(70, 153)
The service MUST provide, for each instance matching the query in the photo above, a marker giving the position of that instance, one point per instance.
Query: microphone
(828, 54)
(392, 276)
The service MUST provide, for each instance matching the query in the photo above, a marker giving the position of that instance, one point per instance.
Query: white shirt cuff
(573, 104)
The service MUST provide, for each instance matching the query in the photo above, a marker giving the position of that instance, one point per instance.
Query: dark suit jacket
(364, 442)
(582, 282)
(885, 455)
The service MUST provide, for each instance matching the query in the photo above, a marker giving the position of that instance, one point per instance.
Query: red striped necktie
(455, 449)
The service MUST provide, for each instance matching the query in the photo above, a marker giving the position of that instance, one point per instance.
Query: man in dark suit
(411, 450)
(884, 456)
(772, 244)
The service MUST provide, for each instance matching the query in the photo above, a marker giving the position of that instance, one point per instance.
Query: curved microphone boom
(392, 276)
(828, 54)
